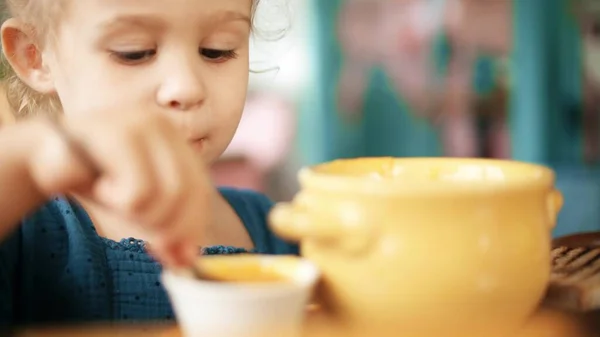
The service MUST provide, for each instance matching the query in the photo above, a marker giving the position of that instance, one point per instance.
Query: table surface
(545, 323)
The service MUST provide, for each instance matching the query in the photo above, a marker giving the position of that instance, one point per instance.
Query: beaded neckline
(138, 246)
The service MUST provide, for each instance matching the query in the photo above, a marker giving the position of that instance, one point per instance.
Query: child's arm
(139, 169)
(18, 193)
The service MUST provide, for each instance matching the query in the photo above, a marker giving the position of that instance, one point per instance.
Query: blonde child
(144, 95)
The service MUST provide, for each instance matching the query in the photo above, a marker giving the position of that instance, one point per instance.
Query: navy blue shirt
(55, 269)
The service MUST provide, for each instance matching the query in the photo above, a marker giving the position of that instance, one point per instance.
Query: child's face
(187, 59)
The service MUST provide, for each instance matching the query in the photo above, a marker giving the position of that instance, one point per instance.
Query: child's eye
(133, 57)
(215, 55)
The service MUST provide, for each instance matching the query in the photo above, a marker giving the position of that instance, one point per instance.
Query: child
(146, 94)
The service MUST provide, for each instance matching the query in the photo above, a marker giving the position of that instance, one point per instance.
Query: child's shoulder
(246, 197)
(62, 233)
(59, 219)
(54, 254)
(253, 209)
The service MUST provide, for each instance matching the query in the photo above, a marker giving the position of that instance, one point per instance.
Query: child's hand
(137, 167)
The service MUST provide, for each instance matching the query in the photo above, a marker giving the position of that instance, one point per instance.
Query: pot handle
(350, 235)
(291, 223)
(554, 203)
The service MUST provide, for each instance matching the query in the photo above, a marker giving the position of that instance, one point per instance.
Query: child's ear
(22, 52)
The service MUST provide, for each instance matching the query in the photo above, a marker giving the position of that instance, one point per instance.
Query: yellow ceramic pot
(426, 246)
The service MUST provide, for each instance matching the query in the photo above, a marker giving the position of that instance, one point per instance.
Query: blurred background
(468, 78)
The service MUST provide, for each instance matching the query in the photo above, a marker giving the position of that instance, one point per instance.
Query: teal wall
(546, 68)
(543, 124)
(545, 127)
(387, 128)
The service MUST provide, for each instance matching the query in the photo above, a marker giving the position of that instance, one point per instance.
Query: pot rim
(455, 176)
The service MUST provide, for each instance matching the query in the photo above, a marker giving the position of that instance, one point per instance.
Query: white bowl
(224, 309)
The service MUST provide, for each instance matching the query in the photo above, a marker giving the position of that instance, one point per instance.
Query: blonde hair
(22, 99)
(39, 15)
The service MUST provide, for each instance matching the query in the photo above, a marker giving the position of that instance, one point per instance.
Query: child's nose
(183, 89)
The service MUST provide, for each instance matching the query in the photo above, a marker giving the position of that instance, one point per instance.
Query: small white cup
(243, 309)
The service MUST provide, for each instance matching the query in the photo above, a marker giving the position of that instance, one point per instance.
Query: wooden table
(101, 331)
(546, 323)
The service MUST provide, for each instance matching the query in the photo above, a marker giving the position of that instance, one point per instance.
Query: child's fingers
(181, 207)
(173, 254)
(56, 166)
(184, 253)
(124, 175)
(158, 251)
(129, 182)
(147, 173)
(173, 185)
